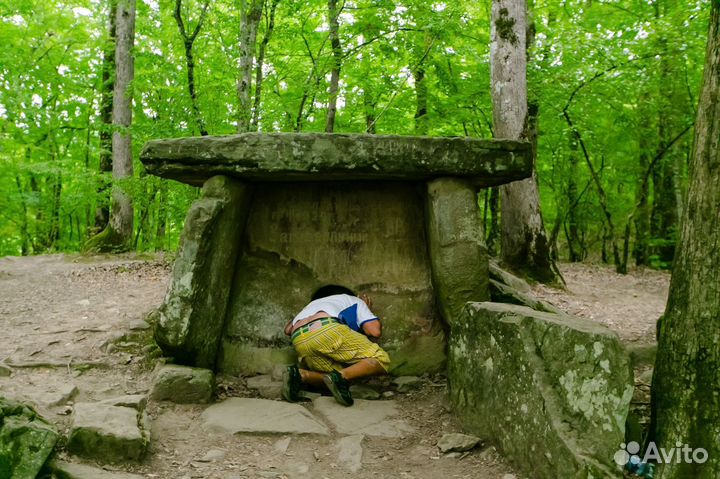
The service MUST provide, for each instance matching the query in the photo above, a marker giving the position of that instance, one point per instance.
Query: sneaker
(292, 383)
(339, 387)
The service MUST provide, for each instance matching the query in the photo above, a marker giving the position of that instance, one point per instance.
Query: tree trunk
(102, 211)
(333, 13)
(421, 109)
(685, 400)
(250, 16)
(255, 123)
(575, 246)
(118, 235)
(524, 244)
(188, 41)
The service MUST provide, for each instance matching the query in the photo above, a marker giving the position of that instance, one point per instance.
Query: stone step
(261, 416)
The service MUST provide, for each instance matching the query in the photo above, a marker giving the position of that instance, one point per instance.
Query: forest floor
(75, 320)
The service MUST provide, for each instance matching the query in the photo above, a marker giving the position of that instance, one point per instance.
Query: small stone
(66, 394)
(456, 442)
(139, 325)
(278, 371)
(350, 452)
(83, 302)
(360, 391)
(282, 445)
(183, 384)
(509, 476)
(265, 386)
(135, 401)
(407, 383)
(213, 455)
(111, 348)
(388, 394)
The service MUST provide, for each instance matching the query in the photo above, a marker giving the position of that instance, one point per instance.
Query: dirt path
(70, 320)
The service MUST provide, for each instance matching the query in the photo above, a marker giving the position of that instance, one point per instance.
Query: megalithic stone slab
(551, 391)
(457, 252)
(26, 440)
(190, 321)
(332, 157)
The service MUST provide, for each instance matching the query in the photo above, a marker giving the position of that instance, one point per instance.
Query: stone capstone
(456, 442)
(26, 440)
(67, 470)
(190, 321)
(551, 391)
(457, 252)
(370, 418)
(109, 433)
(334, 157)
(260, 416)
(183, 384)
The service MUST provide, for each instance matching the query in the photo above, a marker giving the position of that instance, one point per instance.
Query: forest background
(615, 83)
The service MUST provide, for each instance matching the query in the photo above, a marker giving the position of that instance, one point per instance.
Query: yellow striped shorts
(334, 346)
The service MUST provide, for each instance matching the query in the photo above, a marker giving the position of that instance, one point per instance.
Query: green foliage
(600, 62)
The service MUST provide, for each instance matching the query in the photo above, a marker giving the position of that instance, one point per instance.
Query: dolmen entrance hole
(282, 214)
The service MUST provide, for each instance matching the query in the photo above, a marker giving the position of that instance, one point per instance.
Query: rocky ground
(74, 332)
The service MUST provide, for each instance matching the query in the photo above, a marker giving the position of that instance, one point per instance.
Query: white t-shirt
(349, 310)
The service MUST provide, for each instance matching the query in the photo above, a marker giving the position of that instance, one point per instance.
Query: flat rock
(67, 470)
(213, 455)
(261, 416)
(350, 452)
(456, 442)
(265, 385)
(110, 433)
(371, 418)
(183, 384)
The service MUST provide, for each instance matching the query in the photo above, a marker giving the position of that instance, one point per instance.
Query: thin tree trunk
(685, 400)
(370, 104)
(24, 232)
(574, 244)
(524, 242)
(333, 13)
(188, 41)
(255, 123)
(250, 16)
(118, 235)
(102, 211)
(421, 108)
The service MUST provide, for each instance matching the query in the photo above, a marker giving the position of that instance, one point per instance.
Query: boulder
(109, 433)
(183, 384)
(551, 391)
(456, 442)
(190, 321)
(26, 440)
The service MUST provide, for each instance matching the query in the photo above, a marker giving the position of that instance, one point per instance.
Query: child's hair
(330, 290)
